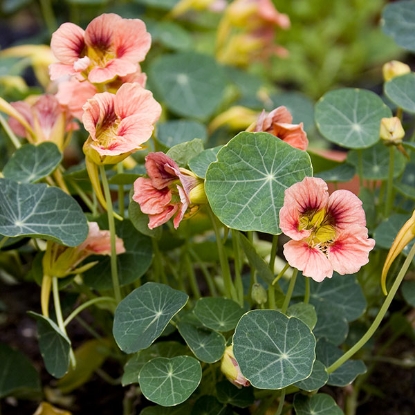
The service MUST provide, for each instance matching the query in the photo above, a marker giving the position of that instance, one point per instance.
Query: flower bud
(394, 68)
(231, 370)
(391, 130)
(197, 195)
(259, 294)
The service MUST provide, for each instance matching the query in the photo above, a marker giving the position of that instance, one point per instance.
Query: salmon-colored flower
(119, 123)
(170, 191)
(48, 119)
(328, 231)
(279, 123)
(109, 46)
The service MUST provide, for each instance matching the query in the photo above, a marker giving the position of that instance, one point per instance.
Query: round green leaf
(407, 184)
(209, 405)
(401, 91)
(375, 162)
(175, 132)
(228, 393)
(182, 153)
(398, 21)
(200, 163)
(142, 316)
(305, 312)
(169, 382)
(343, 173)
(386, 232)
(245, 186)
(216, 313)
(54, 346)
(351, 117)
(319, 404)
(40, 211)
(30, 163)
(18, 377)
(180, 81)
(316, 380)
(408, 292)
(208, 346)
(132, 264)
(272, 350)
(171, 35)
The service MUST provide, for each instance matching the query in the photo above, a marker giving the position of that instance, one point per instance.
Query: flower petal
(151, 200)
(68, 43)
(161, 169)
(311, 261)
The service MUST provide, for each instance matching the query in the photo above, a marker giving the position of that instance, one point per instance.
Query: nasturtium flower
(110, 46)
(394, 68)
(230, 368)
(169, 191)
(278, 122)
(328, 232)
(119, 123)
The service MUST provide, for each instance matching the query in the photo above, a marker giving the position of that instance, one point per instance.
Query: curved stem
(86, 305)
(3, 241)
(111, 225)
(379, 317)
(10, 133)
(281, 403)
(289, 291)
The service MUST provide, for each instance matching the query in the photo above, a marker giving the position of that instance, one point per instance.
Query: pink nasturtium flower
(328, 232)
(49, 121)
(119, 123)
(279, 123)
(169, 191)
(110, 46)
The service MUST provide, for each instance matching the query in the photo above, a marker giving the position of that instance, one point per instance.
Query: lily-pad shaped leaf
(328, 353)
(31, 163)
(406, 186)
(209, 405)
(386, 232)
(18, 377)
(351, 117)
(273, 351)
(170, 381)
(227, 393)
(245, 186)
(304, 312)
(141, 317)
(174, 132)
(216, 313)
(40, 211)
(343, 173)
(201, 162)
(316, 380)
(375, 162)
(160, 349)
(400, 90)
(207, 345)
(182, 153)
(180, 81)
(171, 35)
(182, 409)
(319, 404)
(54, 345)
(132, 264)
(398, 21)
(408, 292)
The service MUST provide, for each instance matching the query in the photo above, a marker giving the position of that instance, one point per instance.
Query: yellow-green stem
(86, 305)
(290, 290)
(389, 185)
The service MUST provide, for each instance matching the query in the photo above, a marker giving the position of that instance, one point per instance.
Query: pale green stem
(191, 274)
(281, 403)
(48, 15)
(86, 305)
(59, 317)
(307, 291)
(230, 291)
(3, 241)
(111, 225)
(15, 141)
(121, 206)
(91, 206)
(378, 319)
(238, 266)
(389, 185)
(290, 290)
(281, 273)
(205, 272)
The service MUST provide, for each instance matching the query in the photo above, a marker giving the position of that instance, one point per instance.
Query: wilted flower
(394, 68)
(119, 123)
(230, 368)
(110, 46)
(49, 121)
(279, 123)
(170, 191)
(328, 232)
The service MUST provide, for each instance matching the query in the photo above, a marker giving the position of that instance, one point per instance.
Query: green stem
(307, 291)
(238, 266)
(121, 205)
(48, 15)
(191, 273)
(289, 291)
(281, 402)
(379, 317)
(230, 291)
(15, 141)
(389, 186)
(3, 241)
(91, 206)
(86, 305)
(360, 166)
(111, 225)
(205, 272)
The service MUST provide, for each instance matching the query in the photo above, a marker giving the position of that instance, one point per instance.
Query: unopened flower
(328, 232)
(49, 121)
(169, 191)
(110, 46)
(394, 68)
(230, 368)
(279, 123)
(119, 123)
(391, 130)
